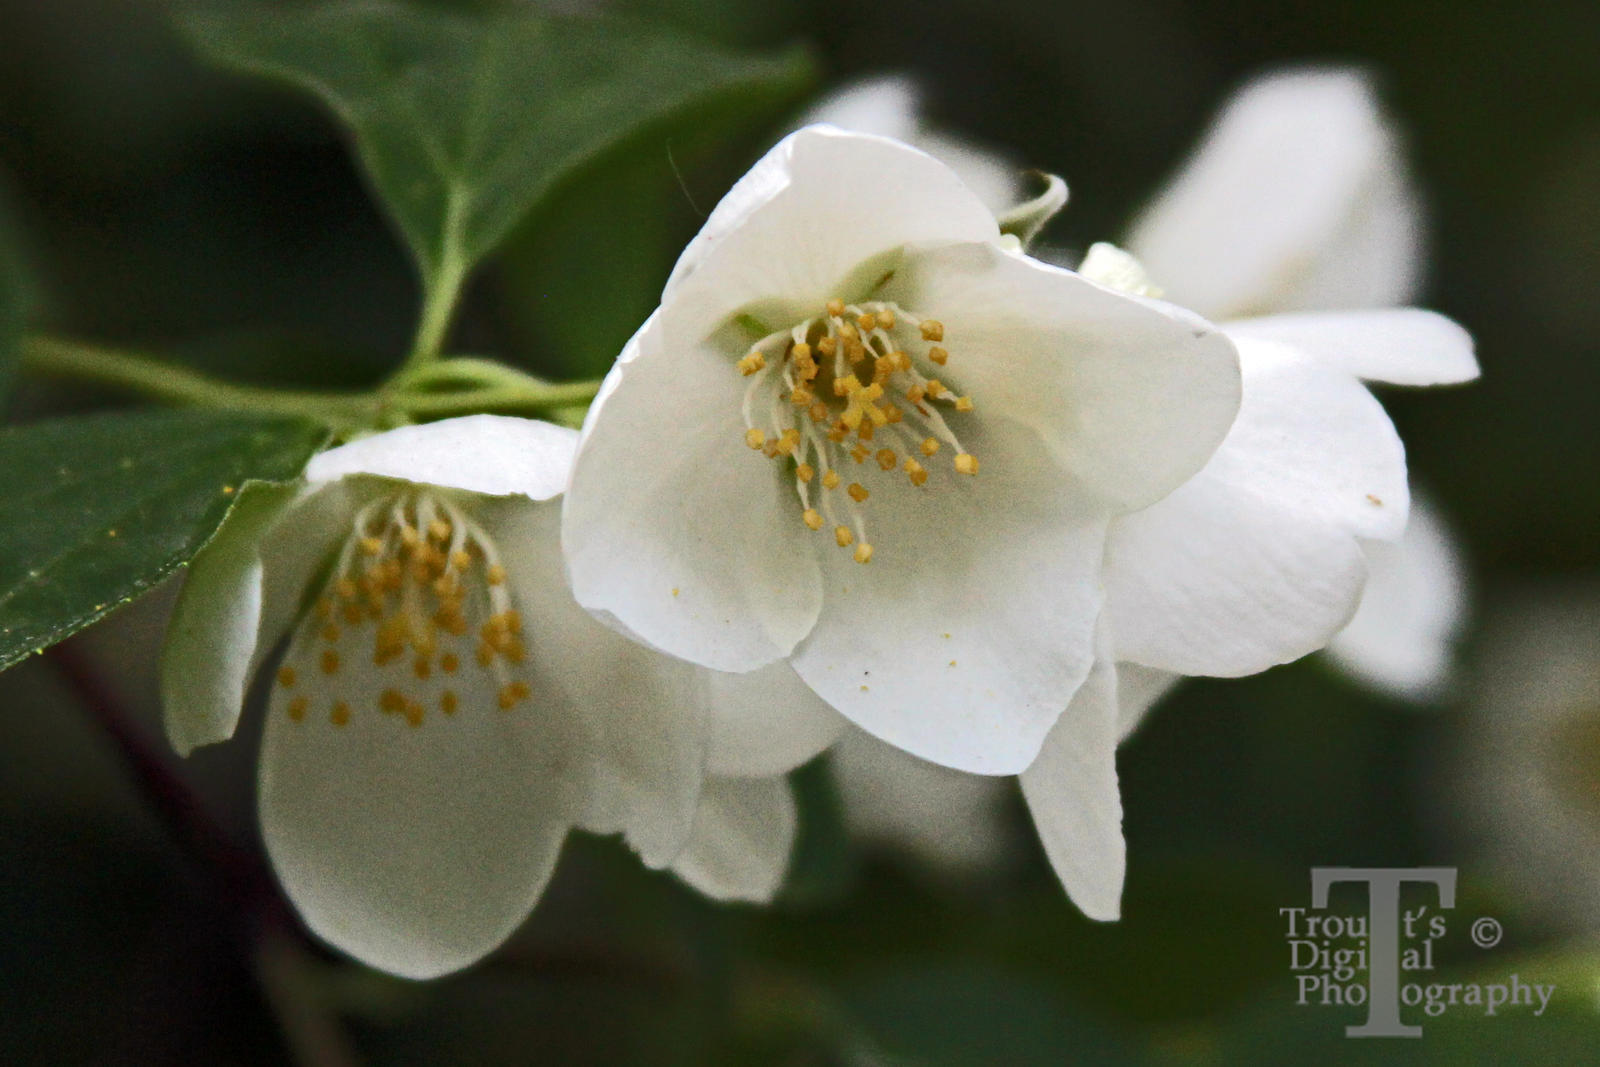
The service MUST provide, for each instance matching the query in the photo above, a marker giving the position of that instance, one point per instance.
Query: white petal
(766, 721)
(950, 819)
(211, 643)
(743, 834)
(886, 106)
(1255, 561)
(1401, 346)
(1130, 395)
(644, 715)
(823, 214)
(1138, 690)
(972, 626)
(675, 532)
(415, 849)
(1296, 198)
(889, 106)
(1401, 637)
(1071, 790)
(492, 454)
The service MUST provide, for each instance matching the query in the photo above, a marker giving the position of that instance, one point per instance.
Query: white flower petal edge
(1402, 636)
(766, 721)
(1257, 560)
(744, 832)
(1072, 794)
(488, 454)
(1400, 346)
(890, 106)
(1297, 198)
(679, 536)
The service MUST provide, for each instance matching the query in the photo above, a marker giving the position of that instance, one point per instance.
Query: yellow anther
(422, 666)
(805, 472)
(449, 663)
(887, 458)
(930, 445)
(884, 366)
(485, 654)
(439, 530)
(801, 397)
(409, 537)
(324, 608)
(916, 471)
(449, 702)
(901, 361)
(830, 480)
(932, 330)
(892, 413)
(827, 347)
(755, 438)
(347, 589)
(849, 335)
(915, 394)
(863, 552)
(507, 697)
(847, 385)
(843, 536)
(939, 355)
(391, 701)
(966, 463)
(330, 661)
(936, 388)
(836, 307)
(770, 449)
(867, 321)
(751, 363)
(297, 708)
(819, 412)
(878, 415)
(340, 715)
(286, 676)
(414, 714)
(867, 429)
(496, 575)
(857, 492)
(801, 352)
(371, 546)
(330, 632)
(963, 403)
(886, 319)
(860, 453)
(461, 559)
(352, 614)
(812, 518)
(855, 351)
(789, 441)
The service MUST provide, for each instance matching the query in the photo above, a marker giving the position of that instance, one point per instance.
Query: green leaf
(465, 120)
(100, 509)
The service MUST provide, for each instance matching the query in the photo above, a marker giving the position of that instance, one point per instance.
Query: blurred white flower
(445, 712)
(1524, 782)
(891, 106)
(807, 324)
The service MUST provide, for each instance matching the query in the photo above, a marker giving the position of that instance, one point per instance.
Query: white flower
(890, 106)
(445, 712)
(1262, 556)
(835, 355)
(1520, 786)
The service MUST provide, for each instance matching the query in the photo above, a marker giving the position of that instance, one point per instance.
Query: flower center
(858, 381)
(415, 612)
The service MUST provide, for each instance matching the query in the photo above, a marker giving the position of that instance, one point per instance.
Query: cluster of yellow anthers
(420, 574)
(825, 388)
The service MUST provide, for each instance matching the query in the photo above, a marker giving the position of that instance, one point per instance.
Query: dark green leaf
(465, 120)
(100, 509)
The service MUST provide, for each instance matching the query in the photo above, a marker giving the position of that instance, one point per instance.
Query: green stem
(442, 292)
(530, 396)
(59, 358)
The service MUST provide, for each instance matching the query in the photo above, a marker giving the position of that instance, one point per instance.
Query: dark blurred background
(180, 210)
